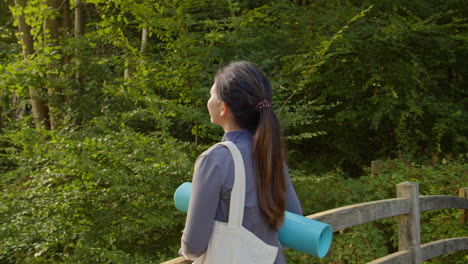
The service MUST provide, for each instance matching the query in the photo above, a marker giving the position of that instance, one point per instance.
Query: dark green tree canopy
(103, 109)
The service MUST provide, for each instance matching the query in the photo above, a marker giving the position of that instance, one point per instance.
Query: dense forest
(103, 112)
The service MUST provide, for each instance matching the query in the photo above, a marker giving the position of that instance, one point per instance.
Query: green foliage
(353, 81)
(394, 74)
(96, 196)
(7, 33)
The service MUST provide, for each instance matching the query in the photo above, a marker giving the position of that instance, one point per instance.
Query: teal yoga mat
(297, 232)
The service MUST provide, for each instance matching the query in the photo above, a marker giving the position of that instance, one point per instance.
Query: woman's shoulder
(216, 153)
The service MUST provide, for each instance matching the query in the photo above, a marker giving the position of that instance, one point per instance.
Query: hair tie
(262, 105)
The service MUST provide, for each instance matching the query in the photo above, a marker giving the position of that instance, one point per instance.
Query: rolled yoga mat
(297, 232)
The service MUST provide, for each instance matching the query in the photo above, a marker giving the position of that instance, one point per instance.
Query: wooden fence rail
(406, 208)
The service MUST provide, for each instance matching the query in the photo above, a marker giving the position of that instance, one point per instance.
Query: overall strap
(236, 206)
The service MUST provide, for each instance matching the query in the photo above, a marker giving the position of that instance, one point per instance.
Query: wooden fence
(406, 208)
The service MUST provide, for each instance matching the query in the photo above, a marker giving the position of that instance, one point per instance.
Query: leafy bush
(94, 197)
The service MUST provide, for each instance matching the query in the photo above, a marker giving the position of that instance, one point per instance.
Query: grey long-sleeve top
(212, 183)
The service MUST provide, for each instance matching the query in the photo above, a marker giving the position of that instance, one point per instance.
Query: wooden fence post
(409, 231)
(463, 192)
(375, 167)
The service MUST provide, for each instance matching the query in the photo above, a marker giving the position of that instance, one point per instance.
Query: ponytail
(268, 148)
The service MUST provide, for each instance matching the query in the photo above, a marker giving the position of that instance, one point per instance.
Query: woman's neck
(231, 127)
(230, 124)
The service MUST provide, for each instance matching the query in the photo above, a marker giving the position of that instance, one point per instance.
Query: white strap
(236, 206)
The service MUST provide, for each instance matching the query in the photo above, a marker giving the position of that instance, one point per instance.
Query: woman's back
(214, 175)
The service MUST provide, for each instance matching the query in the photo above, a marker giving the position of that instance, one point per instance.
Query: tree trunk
(66, 31)
(144, 39)
(79, 19)
(51, 28)
(127, 71)
(79, 32)
(66, 17)
(39, 107)
(143, 47)
(15, 112)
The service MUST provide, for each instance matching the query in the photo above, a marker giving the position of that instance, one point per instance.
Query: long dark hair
(243, 87)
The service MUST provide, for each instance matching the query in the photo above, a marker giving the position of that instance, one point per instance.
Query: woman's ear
(225, 110)
(227, 119)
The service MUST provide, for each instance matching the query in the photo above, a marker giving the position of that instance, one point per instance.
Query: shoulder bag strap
(236, 206)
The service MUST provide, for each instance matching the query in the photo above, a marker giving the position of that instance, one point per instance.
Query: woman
(240, 103)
